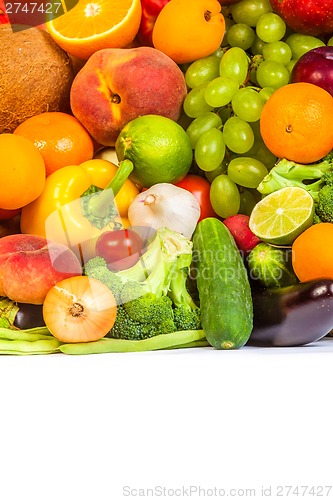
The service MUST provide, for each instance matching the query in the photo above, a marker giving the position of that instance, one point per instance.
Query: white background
(84, 427)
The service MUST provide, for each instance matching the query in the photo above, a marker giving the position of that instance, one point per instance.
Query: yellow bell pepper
(57, 213)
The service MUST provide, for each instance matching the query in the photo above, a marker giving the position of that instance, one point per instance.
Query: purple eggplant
(293, 315)
(29, 316)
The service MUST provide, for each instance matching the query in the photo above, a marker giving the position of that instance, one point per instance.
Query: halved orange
(96, 24)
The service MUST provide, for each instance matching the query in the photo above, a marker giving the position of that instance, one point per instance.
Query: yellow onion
(79, 309)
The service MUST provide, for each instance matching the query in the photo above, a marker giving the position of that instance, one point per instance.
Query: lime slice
(282, 216)
(159, 148)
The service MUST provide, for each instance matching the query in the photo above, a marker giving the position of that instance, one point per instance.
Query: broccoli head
(288, 173)
(324, 205)
(125, 327)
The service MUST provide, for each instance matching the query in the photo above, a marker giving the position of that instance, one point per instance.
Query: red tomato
(121, 249)
(200, 188)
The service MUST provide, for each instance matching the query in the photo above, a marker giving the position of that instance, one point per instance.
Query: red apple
(315, 66)
(150, 11)
(309, 17)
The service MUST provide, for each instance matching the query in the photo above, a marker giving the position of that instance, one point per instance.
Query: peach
(31, 265)
(117, 85)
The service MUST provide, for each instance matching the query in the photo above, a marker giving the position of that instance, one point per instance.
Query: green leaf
(8, 311)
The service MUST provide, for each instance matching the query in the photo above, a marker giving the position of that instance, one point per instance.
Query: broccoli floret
(97, 268)
(187, 319)
(288, 173)
(125, 327)
(149, 308)
(324, 205)
(186, 313)
(144, 293)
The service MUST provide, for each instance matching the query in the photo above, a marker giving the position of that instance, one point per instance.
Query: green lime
(159, 148)
(282, 215)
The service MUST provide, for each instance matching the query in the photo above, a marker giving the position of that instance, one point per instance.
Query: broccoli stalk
(288, 173)
(144, 291)
(186, 312)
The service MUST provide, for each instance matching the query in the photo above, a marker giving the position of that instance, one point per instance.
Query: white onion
(165, 205)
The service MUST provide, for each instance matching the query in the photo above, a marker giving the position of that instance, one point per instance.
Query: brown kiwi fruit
(35, 76)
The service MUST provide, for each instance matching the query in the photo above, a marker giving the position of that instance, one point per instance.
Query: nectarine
(31, 265)
(117, 85)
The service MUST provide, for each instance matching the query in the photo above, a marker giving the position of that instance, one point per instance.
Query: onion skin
(79, 309)
(292, 316)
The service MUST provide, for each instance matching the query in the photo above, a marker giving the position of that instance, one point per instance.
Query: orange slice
(96, 24)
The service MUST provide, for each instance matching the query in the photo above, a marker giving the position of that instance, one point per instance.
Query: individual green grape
(238, 135)
(202, 71)
(270, 27)
(272, 74)
(221, 169)
(290, 65)
(209, 150)
(266, 92)
(249, 11)
(224, 196)
(263, 154)
(201, 124)
(194, 103)
(277, 51)
(218, 52)
(247, 104)
(220, 91)
(259, 150)
(257, 46)
(300, 44)
(235, 64)
(247, 171)
(256, 130)
(228, 23)
(241, 35)
(225, 113)
(247, 201)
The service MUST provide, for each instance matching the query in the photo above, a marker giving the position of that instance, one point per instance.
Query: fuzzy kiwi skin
(35, 76)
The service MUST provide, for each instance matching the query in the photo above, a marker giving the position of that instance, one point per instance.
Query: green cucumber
(223, 286)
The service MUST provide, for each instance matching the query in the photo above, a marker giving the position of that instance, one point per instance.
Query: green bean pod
(31, 334)
(20, 347)
(109, 345)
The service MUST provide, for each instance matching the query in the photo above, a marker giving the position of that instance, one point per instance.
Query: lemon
(282, 215)
(159, 148)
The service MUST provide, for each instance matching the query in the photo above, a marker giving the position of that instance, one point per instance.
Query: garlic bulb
(165, 205)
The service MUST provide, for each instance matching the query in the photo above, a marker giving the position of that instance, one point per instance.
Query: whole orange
(22, 172)
(185, 30)
(61, 139)
(296, 122)
(312, 252)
